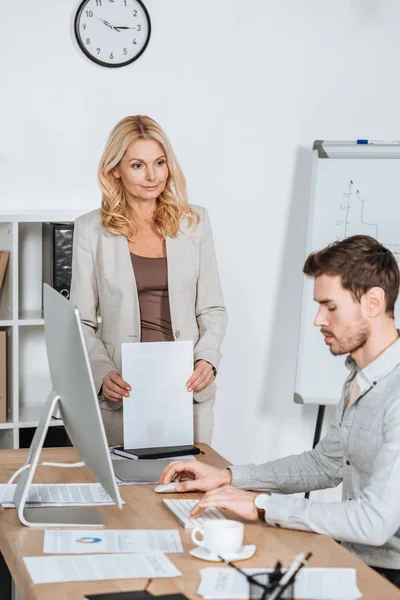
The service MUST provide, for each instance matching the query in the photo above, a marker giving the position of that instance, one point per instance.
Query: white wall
(242, 89)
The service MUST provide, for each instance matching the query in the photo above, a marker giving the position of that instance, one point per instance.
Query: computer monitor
(75, 395)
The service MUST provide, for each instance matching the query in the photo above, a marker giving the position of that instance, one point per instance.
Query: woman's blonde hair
(172, 203)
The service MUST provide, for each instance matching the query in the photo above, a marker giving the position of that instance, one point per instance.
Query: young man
(356, 287)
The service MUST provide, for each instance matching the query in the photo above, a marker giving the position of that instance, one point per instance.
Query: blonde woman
(146, 262)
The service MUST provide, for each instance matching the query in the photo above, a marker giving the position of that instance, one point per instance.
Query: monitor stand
(53, 516)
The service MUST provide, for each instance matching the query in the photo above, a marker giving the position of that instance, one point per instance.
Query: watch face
(261, 500)
(112, 33)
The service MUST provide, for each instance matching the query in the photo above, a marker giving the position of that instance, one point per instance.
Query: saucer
(243, 553)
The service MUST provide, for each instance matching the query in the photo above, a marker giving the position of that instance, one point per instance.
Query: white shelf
(30, 317)
(28, 376)
(29, 416)
(53, 216)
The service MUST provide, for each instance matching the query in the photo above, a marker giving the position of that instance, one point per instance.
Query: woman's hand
(114, 387)
(202, 376)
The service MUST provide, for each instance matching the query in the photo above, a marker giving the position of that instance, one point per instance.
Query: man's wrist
(227, 476)
(261, 502)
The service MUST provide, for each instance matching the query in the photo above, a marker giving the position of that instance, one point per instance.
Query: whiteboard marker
(377, 142)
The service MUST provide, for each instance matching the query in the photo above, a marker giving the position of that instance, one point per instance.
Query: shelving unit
(21, 315)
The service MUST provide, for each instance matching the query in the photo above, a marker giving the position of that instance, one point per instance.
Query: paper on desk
(57, 569)
(79, 541)
(54, 494)
(311, 583)
(159, 411)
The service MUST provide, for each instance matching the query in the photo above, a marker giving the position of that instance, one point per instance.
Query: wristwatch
(261, 503)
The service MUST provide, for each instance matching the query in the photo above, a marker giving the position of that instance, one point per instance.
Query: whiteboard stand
(318, 425)
(317, 432)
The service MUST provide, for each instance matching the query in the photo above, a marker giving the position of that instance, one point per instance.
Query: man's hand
(203, 477)
(114, 387)
(239, 502)
(202, 376)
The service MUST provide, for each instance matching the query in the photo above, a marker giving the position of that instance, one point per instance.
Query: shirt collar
(378, 368)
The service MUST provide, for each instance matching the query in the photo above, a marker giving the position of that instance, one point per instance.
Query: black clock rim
(100, 62)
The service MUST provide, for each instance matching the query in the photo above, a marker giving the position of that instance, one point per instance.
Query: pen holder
(262, 585)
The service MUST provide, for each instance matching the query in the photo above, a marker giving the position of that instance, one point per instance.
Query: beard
(355, 337)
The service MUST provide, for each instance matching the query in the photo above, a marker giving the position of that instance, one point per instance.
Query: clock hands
(116, 28)
(109, 24)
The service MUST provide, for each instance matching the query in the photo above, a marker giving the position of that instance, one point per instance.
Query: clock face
(112, 33)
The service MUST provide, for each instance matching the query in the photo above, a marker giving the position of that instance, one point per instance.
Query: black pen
(298, 563)
(276, 575)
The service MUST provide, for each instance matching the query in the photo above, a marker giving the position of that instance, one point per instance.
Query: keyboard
(180, 509)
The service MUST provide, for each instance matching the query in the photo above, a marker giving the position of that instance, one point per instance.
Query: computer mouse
(164, 488)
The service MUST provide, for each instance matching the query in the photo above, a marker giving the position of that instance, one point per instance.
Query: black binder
(162, 452)
(137, 595)
(140, 595)
(57, 239)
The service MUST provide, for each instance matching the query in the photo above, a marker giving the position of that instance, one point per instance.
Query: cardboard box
(3, 376)
(4, 256)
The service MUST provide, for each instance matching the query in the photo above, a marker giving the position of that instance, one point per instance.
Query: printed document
(98, 567)
(311, 583)
(59, 494)
(80, 541)
(159, 411)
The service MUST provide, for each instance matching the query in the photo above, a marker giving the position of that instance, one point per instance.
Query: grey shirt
(362, 449)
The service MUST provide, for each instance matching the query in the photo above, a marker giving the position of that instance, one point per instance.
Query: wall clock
(112, 33)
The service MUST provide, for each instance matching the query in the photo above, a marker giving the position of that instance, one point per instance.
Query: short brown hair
(362, 263)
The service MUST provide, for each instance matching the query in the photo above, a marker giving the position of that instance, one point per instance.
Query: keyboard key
(180, 509)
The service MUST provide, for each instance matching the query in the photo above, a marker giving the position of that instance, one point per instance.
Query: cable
(41, 464)
(63, 465)
(9, 482)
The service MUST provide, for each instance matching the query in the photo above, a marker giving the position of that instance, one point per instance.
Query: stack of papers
(80, 541)
(98, 567)
(55, 494)
(313, 584)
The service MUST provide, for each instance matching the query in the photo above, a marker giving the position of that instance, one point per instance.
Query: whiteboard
(355, 190)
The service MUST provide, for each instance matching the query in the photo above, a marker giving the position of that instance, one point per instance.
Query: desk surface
(143, 510)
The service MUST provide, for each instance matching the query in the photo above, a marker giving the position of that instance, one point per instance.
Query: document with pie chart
(79, 541)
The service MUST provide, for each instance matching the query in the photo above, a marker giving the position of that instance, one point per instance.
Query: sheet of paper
(54, 494)
(98, 567)
(80, 541)
(311, 583)
(159, 411)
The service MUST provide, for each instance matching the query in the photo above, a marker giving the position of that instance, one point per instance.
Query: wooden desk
(143, 510)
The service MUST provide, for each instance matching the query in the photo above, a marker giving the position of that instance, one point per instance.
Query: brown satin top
(152, 286)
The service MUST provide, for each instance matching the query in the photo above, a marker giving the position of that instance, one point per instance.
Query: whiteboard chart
(356, 190)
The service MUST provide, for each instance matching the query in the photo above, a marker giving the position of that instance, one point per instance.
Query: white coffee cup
(220, 537)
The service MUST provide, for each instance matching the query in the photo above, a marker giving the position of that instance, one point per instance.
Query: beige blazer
(103, 282)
